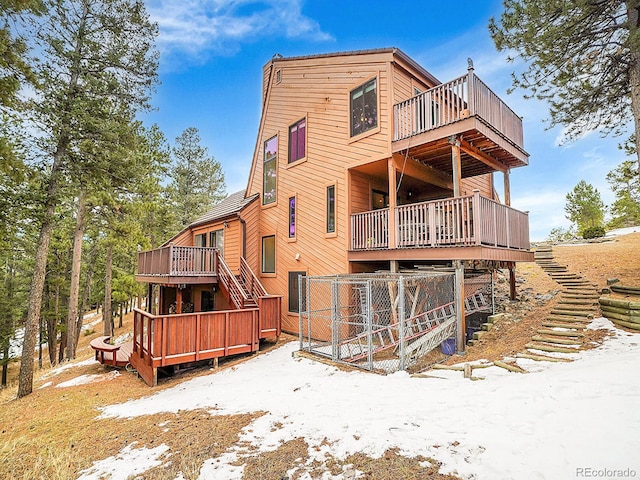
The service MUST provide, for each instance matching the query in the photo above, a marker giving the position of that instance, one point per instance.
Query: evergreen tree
(584, 206)
(583, 59)
(197, 180)
(97, 68)
(625, 184)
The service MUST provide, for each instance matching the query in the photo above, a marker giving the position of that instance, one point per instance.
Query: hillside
(270, 416)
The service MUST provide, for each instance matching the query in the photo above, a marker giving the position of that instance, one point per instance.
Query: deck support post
(459, 301)
(393, 202)
(512, 280)
(507, 188)
(454, 141)
(394, 266)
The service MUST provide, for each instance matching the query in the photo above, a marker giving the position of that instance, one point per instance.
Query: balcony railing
(453, 222)
(174, 260)
(464, 97)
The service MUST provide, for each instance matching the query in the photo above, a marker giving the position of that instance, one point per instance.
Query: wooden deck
(491, 133)
(165, 340)
(114, 355)
(178, 265)
(473, 222)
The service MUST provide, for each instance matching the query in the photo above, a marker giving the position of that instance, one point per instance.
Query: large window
(270, 170)
(331, 209)
(298, 141)
(292, 217)
(294, 291)
(216, 239)
(269, 254)
(364, 107)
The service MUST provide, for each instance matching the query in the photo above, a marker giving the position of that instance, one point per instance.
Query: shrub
(593, 232)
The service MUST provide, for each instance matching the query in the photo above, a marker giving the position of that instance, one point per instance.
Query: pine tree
(584, 206)
(625, 184)
(583, 58)
(197, 179)
(97, 70)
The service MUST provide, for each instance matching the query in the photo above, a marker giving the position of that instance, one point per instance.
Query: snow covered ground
(547, 424)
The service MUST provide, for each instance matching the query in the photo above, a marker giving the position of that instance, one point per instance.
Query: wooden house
(364, 161)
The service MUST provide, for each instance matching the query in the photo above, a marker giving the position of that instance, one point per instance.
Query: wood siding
(318, 90)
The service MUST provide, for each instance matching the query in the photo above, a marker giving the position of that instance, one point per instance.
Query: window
(270, 170)
(269, 254)
(331, 209)
(200, 240)
(292, 217)
(379, 200)
(297, 141)
(294, 291)
(364, 108)
(216, 239)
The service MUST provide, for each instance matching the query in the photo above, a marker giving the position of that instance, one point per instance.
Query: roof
(231, 205)
(395, 51)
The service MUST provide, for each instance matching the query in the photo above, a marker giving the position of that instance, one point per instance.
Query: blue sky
(213, 51)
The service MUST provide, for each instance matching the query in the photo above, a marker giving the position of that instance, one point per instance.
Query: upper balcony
(490, 133)
(178, 265)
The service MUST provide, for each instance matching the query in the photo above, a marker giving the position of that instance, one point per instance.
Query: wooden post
(457, 169)
(459, 299)
(395, 267)
(512, 281)
(507, 188)
(393, 201)
(178, 300)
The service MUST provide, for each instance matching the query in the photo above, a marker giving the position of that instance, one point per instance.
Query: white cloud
(195, 29)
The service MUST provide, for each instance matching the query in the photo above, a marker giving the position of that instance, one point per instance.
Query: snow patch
(129, 462)
(547, 423)
(85, 379)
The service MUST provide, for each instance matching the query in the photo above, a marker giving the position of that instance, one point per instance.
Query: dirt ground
(537, 292)
(54, 432)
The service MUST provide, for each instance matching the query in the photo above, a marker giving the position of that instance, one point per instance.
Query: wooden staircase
(242, 290)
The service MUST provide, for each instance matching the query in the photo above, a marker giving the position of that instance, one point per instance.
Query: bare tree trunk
(25, 377)
(74, 291)
(121, 316)
(5, 366)
(633, 15)
(106, 311)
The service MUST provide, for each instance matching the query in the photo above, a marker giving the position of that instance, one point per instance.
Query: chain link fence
(379, 322)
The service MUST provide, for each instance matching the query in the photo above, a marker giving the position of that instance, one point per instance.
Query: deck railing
(370, 230)
(449, 102)
(176, 260)
(161, 340)
(453, 222)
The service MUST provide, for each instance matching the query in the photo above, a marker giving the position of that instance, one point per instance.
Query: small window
(270, 170)
(294, 291)
(379, 200)
(331, 209)
(278, 76)
(216, 239)
(364, 107)
(200, 240)
(269, 254)
(292, 217)
(298, 141)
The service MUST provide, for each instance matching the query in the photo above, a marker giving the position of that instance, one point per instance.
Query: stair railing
(250, 281)
(229, 281)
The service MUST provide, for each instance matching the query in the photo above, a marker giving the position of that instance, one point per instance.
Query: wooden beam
(393, 202)
(507, 188)
(485, 158)
(456, 165)
(424, 173)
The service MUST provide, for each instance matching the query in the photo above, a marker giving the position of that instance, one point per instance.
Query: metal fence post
(335, 313)
(368, 298)
(401, 320)
(301, 291)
